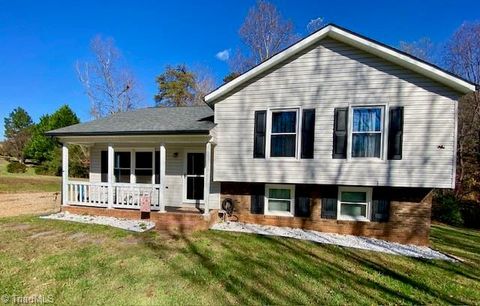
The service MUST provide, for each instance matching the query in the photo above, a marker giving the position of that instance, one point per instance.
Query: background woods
(26, 140)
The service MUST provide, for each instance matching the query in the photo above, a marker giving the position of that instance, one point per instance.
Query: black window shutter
(259, 134)
(329, 208)
(395, 133)
(340, 127)
(104, 166)
(257, 199)
(308, 132)
(302, 207)
(380, 210)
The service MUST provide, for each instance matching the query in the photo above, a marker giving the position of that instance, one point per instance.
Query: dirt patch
(37, 203)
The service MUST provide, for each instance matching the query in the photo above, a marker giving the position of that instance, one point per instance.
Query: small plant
(16, 167)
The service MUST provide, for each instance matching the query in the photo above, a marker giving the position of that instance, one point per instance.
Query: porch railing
(124, 195)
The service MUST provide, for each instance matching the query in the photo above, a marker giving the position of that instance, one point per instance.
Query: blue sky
(40, 41)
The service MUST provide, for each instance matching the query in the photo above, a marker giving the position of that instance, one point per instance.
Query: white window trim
(299, 112)
(134, 161)
(185, 169)
(367, 190)
(383, 131)
(267, 212)
(132, 173)
(132, 152)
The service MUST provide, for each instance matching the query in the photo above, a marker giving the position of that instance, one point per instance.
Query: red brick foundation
(168, 221)
(409, 221)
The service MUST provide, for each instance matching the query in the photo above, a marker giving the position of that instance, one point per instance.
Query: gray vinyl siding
(327, 76)
(174, 171)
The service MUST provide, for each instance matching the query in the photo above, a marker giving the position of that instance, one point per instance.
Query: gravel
(350, 241)
(126, 224)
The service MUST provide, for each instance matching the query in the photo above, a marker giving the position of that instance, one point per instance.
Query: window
(121, 167)
(367, 132)
(143, 167)
(279, 200)
(283, 133)
(354, 203)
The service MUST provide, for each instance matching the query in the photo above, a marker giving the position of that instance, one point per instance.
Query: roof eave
(128, 133)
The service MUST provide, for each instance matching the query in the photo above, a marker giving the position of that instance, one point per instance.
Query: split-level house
(337, 133)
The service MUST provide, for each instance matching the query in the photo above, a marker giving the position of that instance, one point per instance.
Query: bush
(446, 209)
(470, 211)
(16, 167)
(49, 167)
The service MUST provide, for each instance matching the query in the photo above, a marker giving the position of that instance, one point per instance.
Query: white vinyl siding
(335, 75)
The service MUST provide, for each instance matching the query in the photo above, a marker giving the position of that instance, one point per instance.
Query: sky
(40, 41)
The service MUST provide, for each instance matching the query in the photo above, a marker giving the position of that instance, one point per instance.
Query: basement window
(354, 203)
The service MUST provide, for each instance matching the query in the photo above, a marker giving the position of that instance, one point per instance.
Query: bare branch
(109, 85)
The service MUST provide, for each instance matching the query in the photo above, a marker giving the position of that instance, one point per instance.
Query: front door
(194, 177)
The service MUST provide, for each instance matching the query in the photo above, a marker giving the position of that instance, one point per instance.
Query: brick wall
(409, 220)
(168, 221)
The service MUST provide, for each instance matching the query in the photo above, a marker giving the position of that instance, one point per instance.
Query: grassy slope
(96, 265)
(26, 182)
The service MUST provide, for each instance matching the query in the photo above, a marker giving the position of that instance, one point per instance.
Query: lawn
(26, 182)
(89, 264)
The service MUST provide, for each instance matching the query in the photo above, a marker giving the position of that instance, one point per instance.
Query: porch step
(180, 222)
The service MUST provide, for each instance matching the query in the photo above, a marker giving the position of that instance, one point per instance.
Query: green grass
(26, 182)
(88, 264)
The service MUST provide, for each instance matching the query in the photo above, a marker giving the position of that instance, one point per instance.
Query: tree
(264, 33)
(179, 86)
(231, 76)
(423, 48)
(17, 133)
(41, 147)
(108, 83)
(462, 57)
(315, 25)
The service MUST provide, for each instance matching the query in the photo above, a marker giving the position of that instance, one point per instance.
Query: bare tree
(264, 32)
(315, 24)
(109, 84)
(462, 57)
(423, 48)
(204, 84)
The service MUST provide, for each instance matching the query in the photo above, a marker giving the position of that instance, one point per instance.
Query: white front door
(193, 183)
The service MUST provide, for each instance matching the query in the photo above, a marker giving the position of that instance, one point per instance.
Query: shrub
(49, 167)
(446, 209)
(470, 211)
(16, 167)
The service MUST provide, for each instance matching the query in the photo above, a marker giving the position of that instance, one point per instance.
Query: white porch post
(161, 194)
(111, 156)
(64, 174)
(206, 191)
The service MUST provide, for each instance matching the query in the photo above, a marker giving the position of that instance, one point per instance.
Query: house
(337, 133)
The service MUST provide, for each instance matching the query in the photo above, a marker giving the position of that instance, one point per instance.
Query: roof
(356, 40)
(146, 121)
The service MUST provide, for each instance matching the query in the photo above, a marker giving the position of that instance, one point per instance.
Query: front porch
(128, 178)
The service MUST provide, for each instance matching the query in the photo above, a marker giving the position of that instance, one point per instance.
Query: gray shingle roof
(146, 121)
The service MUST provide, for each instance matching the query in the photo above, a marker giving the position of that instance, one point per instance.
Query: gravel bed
(364, 243)
(126, 224)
